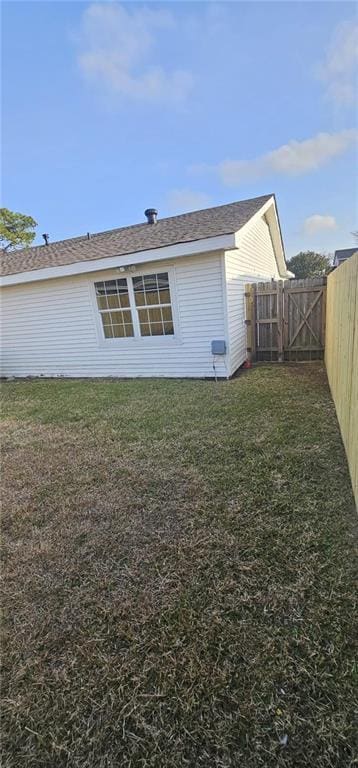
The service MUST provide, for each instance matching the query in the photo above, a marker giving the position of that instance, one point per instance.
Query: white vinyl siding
(53, 327)
(254, 261)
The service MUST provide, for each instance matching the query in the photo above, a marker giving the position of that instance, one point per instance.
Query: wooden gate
(286, 320)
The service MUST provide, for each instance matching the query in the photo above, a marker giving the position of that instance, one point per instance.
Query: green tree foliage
(16, 229)
(309, 264)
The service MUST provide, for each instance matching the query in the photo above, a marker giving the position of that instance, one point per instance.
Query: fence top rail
(306, 289)
(303, 282)
(311, 283)
(306, 282)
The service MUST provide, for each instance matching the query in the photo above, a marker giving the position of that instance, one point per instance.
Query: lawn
(179, 584)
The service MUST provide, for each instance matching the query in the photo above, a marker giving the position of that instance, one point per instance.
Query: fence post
(285, 319)
(323, 327)
(280, 321)
(254, 325)
(250, 321)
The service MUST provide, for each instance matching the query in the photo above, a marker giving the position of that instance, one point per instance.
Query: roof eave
(191, 248)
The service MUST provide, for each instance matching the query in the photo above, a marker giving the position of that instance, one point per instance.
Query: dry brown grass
(178, 562)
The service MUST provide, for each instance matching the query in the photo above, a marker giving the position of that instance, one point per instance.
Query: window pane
(145, 329)
(168, 329)
(152, 297)
(129, 329)
(138, 284)
(155, 315)
(164, 297)
(122, 285)
(108, 331)
(122, 330)
(118, 331)
(106, 318)
(143, 315)
(156, 329)
(110, 286)
(124, 300)
(163, 280)
(150, 282)
(167, 313)
(113, 301)
(120, 317)
(102, 302)
(139, 298)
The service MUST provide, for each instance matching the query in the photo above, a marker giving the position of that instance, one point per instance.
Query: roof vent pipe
(151, 214)
(46, 238)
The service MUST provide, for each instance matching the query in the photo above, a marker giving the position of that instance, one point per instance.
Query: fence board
(287, 322)
(341, 356)
(305, 307)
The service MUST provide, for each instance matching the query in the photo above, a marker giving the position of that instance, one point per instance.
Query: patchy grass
(178, 563)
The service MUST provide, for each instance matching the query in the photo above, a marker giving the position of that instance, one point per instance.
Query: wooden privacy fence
(341, 356)
(286, 320)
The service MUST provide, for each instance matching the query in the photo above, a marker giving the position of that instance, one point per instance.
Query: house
(342, 255)
(161, 298)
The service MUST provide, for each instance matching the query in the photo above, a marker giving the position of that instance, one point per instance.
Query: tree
(355, 235)
(16, 229)
(309, 264)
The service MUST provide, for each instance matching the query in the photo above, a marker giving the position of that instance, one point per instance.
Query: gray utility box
(218, 347)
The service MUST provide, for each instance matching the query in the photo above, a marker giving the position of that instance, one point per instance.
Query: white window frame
(137, 339)
(100, 312)
(145, 306)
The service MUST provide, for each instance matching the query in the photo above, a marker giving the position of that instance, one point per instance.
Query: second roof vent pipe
(151, 214)
(46, 238)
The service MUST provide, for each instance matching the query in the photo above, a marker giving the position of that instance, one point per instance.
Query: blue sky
(112, 108)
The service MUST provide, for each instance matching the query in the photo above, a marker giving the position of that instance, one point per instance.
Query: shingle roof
(345, 253)
(222, 220)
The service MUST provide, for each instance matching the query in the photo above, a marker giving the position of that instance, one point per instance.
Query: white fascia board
(206, 245)
(273, 222)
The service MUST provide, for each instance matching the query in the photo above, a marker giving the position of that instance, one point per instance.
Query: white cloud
(317, 223)
(339, 68)
(182, 200)
(116, 43)
(292, 159)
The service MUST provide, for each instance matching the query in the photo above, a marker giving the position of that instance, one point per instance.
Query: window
(135, 306)
(152, 298)
(113, 304)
